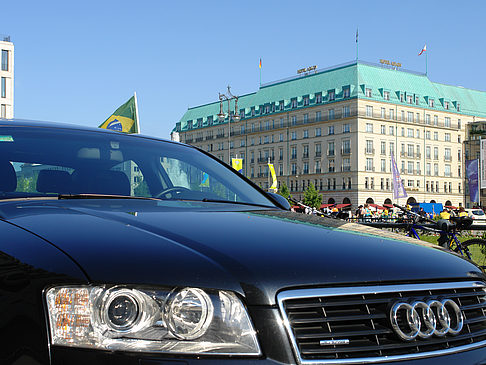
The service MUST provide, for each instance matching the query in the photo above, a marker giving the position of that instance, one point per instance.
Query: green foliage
(27, 184)
(142, 190)
(284, 191)
(312, 198)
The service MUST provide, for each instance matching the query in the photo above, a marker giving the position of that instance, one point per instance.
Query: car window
(478, 212)
(50, 161)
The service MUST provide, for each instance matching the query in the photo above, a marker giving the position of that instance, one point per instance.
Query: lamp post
(222, 116)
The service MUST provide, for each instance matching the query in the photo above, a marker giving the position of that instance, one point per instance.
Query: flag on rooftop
(260, 63)
(124, 119)
(423, 49)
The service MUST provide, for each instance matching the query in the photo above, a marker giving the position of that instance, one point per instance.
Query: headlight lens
(189, 320)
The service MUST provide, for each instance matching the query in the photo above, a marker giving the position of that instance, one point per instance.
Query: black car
(125, 249)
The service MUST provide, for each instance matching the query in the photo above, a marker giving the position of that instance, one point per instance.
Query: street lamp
(222, 116)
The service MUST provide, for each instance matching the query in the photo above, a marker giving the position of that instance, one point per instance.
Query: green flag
(124, 119)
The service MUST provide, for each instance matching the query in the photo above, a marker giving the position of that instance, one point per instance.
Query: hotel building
(338, 129)
(6, 77)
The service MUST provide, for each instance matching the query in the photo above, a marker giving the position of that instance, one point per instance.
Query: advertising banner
(398, 188)
(472, 172)
(482, 164)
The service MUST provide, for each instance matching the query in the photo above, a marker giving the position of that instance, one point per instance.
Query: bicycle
(473, 249)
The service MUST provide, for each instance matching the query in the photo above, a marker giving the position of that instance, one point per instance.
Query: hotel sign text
(390, 63)
(310, 68)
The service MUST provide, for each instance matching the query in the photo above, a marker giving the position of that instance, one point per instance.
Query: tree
(284, 191)
(312, 198)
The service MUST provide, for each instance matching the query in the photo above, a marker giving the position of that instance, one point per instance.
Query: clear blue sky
(76, 62)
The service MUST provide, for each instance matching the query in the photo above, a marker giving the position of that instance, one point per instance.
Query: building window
(294, 136)
(447, 137)
(346, 164)
(330, 130)
(318, 98)
(345, 111)
(4, 87)
(306, 133)
(383, 129)
(346, 128)
(330, 149)
(332, 95)
(409, 116)
(391, 131)
(427, 169)
(368, 92)
(330, 165)
(436, 136)
(427, 152)
(346, 92)
(4, 60)
(369, 146)
(293, 120)
(431, 103)
(436, 173)
(318, 116)
(410, 132)
(446, 105)
(369, 128)
(369, 164)
(294, 103)
(281, 105)
(383, 113)
(436, 120)
(436, 153)
(346, 147)
(331, 114)
(427, 119)
(369, 111)
(417, 117)
(306, 118)
(459, 124)
(318, 132)
(447, 122)
(306, 100)
(391, 113)
(409, 99)
(417, 100)
(383, 148)
(3, 111)
(386, 95)
(383, 165)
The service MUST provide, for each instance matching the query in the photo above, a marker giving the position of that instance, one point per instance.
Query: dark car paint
(189, 246)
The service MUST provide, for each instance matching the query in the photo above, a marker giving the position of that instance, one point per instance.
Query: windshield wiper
(101, 196)
(207, 200)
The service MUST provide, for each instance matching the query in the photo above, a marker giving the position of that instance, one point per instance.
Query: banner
(205, 180)
(472, 172)
(482, 164)
(398, 188)
(237, 164)
(274, 177)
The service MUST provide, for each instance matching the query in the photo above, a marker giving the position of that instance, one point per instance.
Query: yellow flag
(237, 164)
(274, 177)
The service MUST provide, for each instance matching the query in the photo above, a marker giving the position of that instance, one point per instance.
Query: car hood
(254, 251)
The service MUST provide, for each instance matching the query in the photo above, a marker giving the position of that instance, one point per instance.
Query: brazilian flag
(124, 119)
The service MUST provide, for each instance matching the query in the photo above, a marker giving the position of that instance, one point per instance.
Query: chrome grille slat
(361, 315)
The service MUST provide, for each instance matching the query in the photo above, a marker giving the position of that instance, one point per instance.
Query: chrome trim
(333, 292)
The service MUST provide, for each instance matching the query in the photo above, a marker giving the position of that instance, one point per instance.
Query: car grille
(355, 322)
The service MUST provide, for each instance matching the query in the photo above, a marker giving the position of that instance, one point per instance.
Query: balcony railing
(369, 151)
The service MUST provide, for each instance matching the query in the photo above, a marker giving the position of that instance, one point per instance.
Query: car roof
(74, 127)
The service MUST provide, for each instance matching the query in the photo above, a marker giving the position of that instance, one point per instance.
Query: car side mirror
(284, 203)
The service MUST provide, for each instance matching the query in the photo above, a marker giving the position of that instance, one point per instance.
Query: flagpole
(356, 44)
(136, 112)
(426, 52)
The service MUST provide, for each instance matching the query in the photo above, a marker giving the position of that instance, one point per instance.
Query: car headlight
(188, 320)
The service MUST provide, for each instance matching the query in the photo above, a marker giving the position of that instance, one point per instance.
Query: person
(445, 214)
(421, 212)
(462, 212)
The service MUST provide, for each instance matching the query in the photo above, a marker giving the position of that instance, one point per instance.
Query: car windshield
(477, 212)
(37, 161)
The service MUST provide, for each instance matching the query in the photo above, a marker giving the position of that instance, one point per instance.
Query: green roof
(357, 76)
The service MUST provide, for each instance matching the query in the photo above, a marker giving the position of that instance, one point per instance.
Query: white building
(6, 78)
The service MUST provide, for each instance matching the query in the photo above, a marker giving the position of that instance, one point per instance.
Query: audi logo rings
(425, 319)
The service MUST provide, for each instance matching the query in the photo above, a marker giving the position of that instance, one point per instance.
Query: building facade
(6, 78)
(338, 129)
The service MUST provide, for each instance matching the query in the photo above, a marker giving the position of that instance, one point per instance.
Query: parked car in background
(477, 215)
(131, 250)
